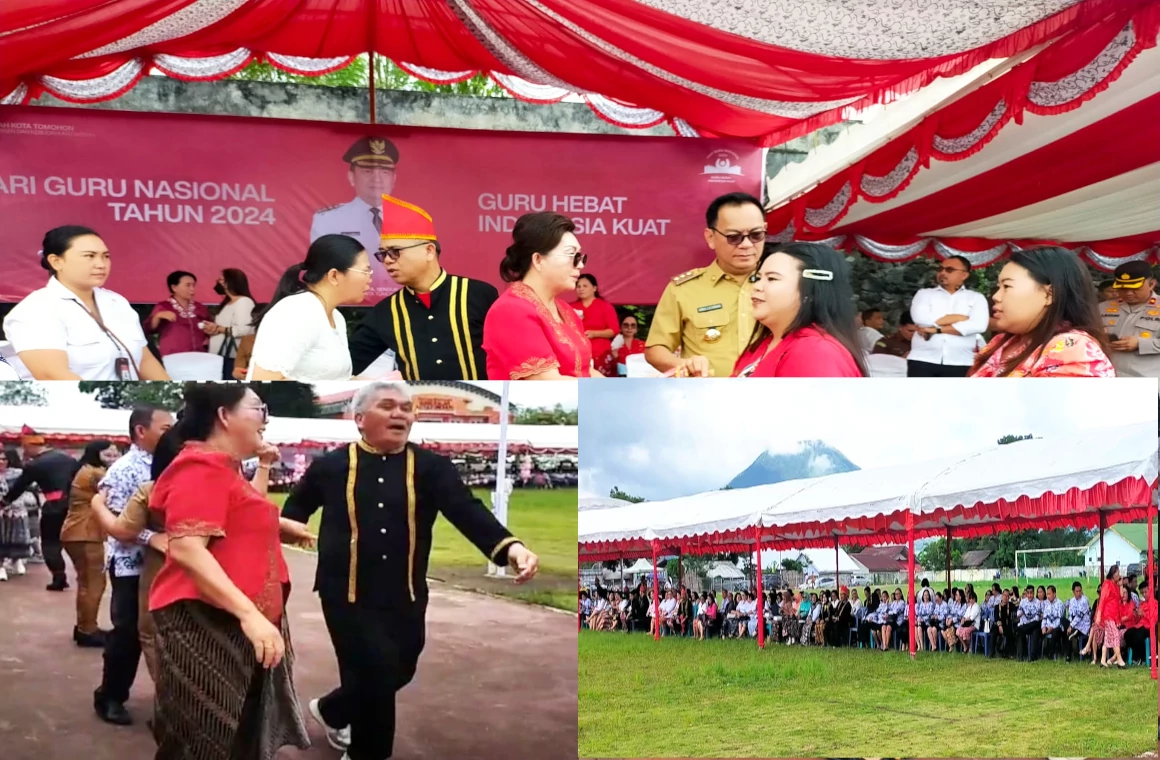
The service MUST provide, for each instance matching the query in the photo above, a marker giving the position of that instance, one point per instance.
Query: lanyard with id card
(122, 364)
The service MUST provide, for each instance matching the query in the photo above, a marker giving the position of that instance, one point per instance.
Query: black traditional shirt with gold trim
(378, 512)
(440, 341)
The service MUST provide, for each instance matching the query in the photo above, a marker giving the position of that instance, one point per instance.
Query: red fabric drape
(910, 582)
(623, 49)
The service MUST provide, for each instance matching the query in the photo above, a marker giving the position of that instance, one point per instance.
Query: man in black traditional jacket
(379, 498)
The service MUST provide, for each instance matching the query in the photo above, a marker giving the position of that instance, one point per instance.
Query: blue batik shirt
(1052, 613)
(1079, 612)
(1028, 611)
(121, 481)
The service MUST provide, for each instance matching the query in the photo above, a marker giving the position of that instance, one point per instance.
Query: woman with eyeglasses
(301, 335)
(530, 333)
(803, 305)
(218, 602)
(1049, 322)
(627, 344)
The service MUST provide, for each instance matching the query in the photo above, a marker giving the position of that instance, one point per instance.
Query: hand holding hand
(295, 533)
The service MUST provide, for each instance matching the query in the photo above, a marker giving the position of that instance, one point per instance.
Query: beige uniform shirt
(1141, 322)
(705, 312)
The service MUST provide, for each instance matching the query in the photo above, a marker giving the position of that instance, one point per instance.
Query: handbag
(229, 346)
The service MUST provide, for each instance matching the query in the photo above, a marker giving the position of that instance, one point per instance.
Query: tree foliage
(1013, 438)
(388, 76)
(793, 565)
(616, 493)
(556, 415)
(22, 394)
(112, 394)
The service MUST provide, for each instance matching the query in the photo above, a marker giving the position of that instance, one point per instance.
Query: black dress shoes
(111, 712)
(95, 639)
(59, 583)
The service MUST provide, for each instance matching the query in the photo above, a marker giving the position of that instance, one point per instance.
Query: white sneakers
(18, 567)
(15, 566)
(338, 738)
(3, 574)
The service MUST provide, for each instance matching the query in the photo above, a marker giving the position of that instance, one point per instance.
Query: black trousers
(122, 644)
(378, 651)
(1029, 632)
(1134, 642)
(51, 521)
(1052, 642)
(926, 369)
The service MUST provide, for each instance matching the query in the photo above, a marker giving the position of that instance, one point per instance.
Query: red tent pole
(949, 557)
(837, 566)
(910, 579)
(1151, 590)
(761, 594)
(1103, 527)
(680, 569)
(656, 596)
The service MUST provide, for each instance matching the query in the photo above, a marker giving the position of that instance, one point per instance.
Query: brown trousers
(146, 629)
(88, 558)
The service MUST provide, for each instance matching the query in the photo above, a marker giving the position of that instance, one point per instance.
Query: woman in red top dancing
(218, 602)
(804, 308)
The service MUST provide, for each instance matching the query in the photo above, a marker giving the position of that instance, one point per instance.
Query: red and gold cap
(405, 221)
(30, 437)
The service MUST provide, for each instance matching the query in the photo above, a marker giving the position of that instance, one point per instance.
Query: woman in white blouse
(73, 328)
(302, 335)
(234, 320)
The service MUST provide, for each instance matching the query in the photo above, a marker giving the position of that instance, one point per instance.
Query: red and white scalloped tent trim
(1013, 164)
(69, 426)
(770, 73)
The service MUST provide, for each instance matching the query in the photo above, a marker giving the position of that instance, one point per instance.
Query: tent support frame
(760, 591)
(910, 580)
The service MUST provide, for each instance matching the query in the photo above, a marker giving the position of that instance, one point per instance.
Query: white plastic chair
(886, 365)
(636, 366)
(193, 365)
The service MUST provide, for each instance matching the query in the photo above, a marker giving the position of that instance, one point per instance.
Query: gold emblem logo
(712, 335)
(378, 147)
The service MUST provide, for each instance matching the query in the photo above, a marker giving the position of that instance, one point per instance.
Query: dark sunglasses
(393, 254)
(578, 259)
(735, 238)
(950, 269)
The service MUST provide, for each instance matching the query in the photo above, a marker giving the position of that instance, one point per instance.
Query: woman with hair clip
(74, 328)
(218, 602)
(1046, 311)
(301, 335)
(803, 305)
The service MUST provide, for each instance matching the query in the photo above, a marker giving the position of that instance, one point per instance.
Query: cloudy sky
(662, 439)
(523, 394)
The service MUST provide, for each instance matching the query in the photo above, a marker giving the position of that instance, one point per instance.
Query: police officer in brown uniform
(706, 313)
(1133, 322)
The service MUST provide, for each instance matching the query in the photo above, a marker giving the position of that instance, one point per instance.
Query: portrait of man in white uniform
(372, 162)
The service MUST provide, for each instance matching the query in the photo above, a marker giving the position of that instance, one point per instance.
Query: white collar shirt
(932, 304)
(46, 320)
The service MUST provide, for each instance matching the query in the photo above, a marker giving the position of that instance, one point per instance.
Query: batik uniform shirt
(898, 610)
(121, 481)
(923, 611)
(942, 611)
(1028, 611)
(1052, 614)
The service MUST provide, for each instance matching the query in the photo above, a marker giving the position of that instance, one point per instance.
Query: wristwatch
(938, 329)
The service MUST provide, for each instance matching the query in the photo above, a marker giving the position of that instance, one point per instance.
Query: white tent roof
(822, 560)
(725, 571)
(789, 512)
(642, 565)
(601, 502)
(50, 420)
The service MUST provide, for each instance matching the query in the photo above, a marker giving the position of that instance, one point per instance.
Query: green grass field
(686, 698)
(545, 520)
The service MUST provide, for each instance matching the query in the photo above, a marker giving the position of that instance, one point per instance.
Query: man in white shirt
(873, 323)
(948, 317)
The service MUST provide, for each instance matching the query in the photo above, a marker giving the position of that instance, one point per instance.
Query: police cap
(1132, 274)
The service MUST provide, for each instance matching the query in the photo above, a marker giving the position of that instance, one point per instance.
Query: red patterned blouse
(203, 493)
(1069, 354)
(522, 338)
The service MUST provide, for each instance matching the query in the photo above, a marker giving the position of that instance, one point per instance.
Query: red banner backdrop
(201, 194)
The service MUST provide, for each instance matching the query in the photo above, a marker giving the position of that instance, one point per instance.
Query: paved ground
(496, 680)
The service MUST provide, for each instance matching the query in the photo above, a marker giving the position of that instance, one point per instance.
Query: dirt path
(497, 679)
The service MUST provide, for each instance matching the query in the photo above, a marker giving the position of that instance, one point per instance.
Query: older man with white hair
(379, 498)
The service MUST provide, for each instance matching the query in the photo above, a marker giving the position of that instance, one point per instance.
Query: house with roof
(1124, 544)
(975, 559)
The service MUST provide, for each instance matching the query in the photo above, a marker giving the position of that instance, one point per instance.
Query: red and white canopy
(1063, 148)
(769, 71)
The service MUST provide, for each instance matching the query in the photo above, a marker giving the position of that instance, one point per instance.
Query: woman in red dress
(218, 602)
(804, 308)
(600, 323)
(1048, 320)
(179, 321)
(1109, 617)
(629, 345)
(529, 332)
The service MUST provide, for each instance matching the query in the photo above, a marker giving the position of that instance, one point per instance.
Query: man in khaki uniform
(1133, 322)
(706, 311)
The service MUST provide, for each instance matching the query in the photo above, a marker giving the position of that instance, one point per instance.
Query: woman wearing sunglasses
(301, 334)
(803, 305)
(530, 333)
(1048, 318)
